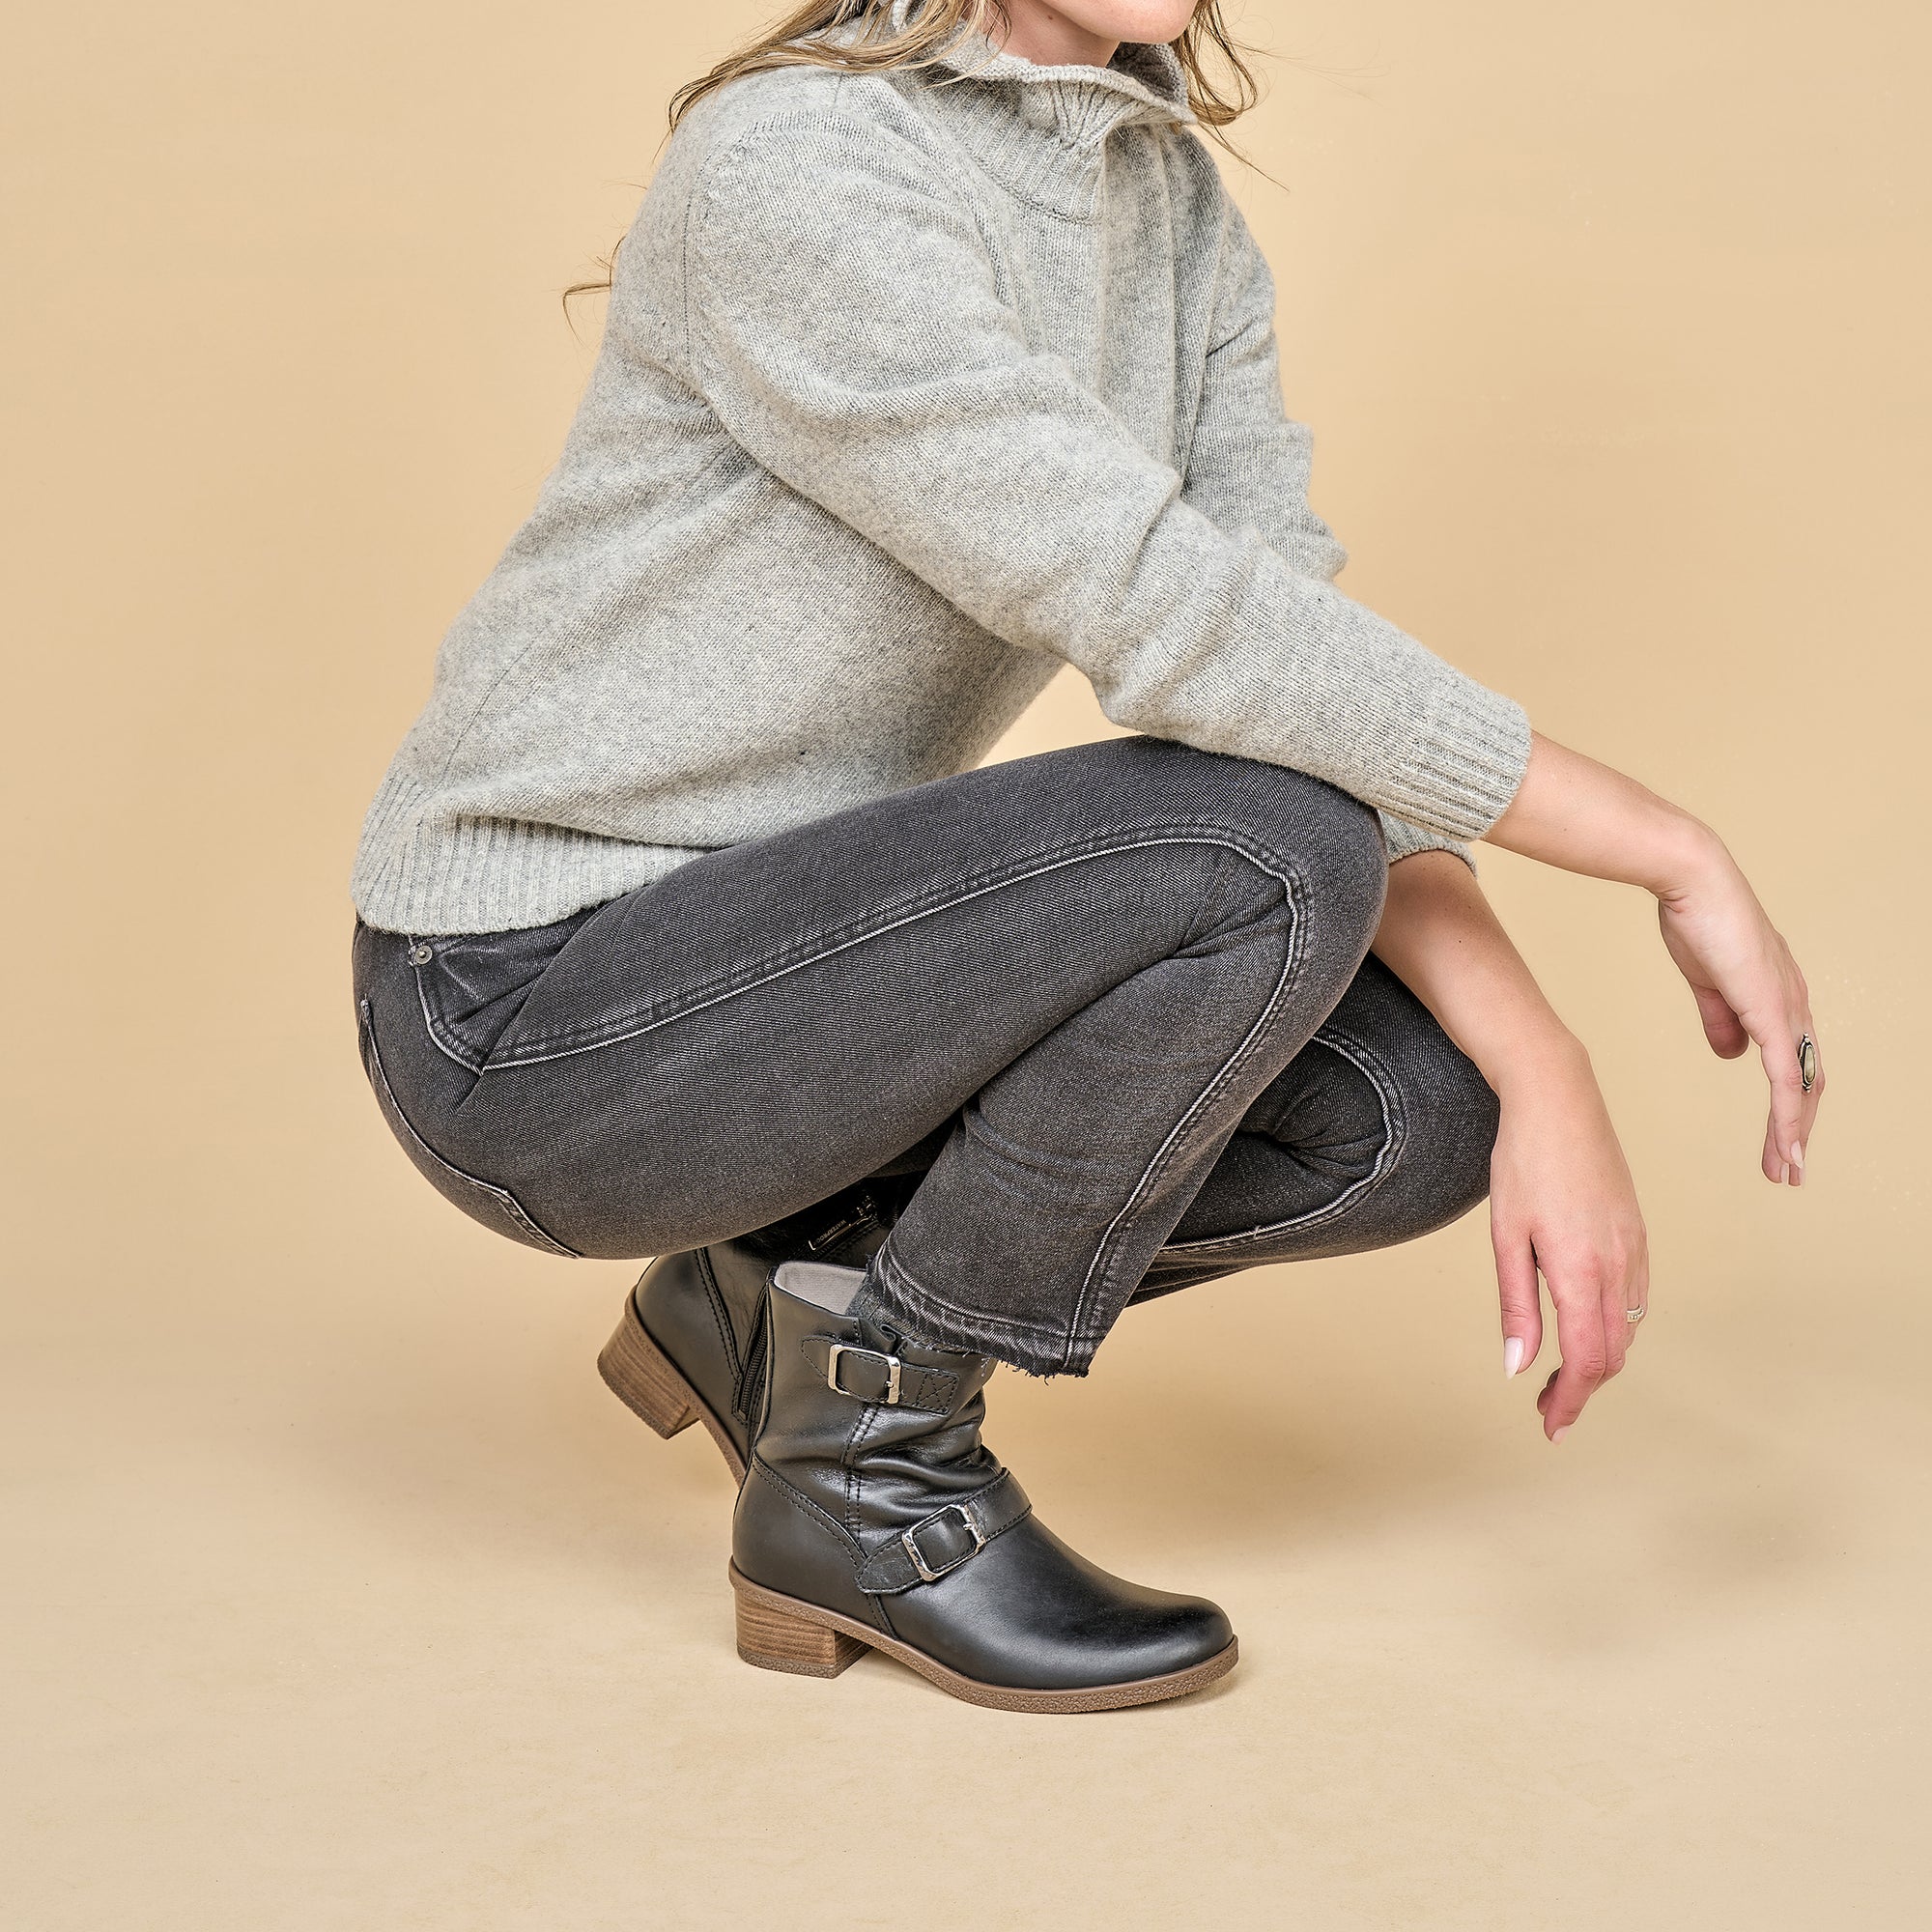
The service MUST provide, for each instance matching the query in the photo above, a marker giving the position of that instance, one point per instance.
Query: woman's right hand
(1562, 1204)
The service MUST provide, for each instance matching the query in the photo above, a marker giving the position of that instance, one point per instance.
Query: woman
(938, 357)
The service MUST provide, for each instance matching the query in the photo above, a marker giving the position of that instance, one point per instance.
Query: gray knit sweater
(911, 387)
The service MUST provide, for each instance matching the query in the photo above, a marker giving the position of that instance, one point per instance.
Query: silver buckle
(894, 1366)
(927, 1573)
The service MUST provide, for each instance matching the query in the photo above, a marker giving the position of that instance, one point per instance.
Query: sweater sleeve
(846, 323)
(1248, 462)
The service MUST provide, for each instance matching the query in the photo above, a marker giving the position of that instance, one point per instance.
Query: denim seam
(435, 1027)
(1204, 836)
(1395, 1133)
(976, 1332)
(1100, 1269)
(446, 1037)
(504, 1199)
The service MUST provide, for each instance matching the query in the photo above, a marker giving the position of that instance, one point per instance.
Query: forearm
(1562, 1206)
(1575, 813)
(1441, 939)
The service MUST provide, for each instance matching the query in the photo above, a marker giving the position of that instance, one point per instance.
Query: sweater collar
(1144, 81)
(1042, 131)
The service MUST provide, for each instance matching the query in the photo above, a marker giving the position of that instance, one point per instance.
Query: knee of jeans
(1334, 843)
(1303, 843)
(1358, 866)
(1323, 883)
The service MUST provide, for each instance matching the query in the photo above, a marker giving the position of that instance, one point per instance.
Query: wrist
(1680, 852)
(1537, 1059)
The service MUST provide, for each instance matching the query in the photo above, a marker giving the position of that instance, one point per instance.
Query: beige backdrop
(340, 1595)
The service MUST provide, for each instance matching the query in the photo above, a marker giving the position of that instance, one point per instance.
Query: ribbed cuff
(1463, 764)
(1403, 840)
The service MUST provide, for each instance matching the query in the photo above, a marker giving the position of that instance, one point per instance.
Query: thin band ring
(1634, 1314)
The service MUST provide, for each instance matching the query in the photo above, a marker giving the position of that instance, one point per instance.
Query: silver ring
(1808, 1063)
(1636, 1314)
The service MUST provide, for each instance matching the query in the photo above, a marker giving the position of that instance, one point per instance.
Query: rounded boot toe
(1031, 1613)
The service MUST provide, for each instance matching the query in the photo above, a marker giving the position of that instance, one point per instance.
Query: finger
(1522, 1300)
(1612, 1305)
(1722, 1028)
(1787, 1099)
(1622, 1291)
(1579, 1333)
(1640, 1297)
(1807, 1117)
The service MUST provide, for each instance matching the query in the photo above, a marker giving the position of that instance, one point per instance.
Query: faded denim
(1111, 1003)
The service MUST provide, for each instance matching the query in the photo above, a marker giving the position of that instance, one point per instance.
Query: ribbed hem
(421, 869)
(1403, 840)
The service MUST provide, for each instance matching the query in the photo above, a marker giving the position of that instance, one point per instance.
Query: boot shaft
(870, 1427)
(705, 1306)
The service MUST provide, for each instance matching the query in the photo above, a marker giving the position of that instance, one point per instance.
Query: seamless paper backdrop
(339, 1593)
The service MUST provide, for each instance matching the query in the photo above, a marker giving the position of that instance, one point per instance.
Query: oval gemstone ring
(1808, 1063)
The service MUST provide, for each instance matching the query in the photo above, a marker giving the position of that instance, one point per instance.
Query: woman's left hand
(1570, 811)
(1562, 1202)
(1747, 988)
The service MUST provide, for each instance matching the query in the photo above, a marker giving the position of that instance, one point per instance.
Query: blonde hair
(933, 27)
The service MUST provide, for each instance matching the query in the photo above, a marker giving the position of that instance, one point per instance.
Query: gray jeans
(1110, 1007)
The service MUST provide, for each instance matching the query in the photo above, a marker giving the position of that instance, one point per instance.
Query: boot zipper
(864, 1212)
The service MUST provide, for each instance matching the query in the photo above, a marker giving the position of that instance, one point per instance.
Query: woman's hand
(1560, 1195)
(1572, 811)
(1747, 988)
(1561, 1201)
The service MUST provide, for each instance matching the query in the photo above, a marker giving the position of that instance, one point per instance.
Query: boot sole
(781, 1633)
(648, 1382)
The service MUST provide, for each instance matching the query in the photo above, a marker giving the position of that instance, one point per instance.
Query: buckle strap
(939, 1544)
(869, 1375)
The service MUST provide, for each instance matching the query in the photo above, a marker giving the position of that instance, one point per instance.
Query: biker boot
(874, 1517)
(690, 1344)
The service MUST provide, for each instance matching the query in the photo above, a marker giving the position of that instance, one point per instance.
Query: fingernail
(1797, 1156)
(1557, 1434)
(1783, 1174)
(1513, 1356)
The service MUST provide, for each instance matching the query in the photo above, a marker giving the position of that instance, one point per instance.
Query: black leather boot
(873, 1515)
(690, 1344)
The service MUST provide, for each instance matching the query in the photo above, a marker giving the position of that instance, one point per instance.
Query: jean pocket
(496, 1208)
(471, 986)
